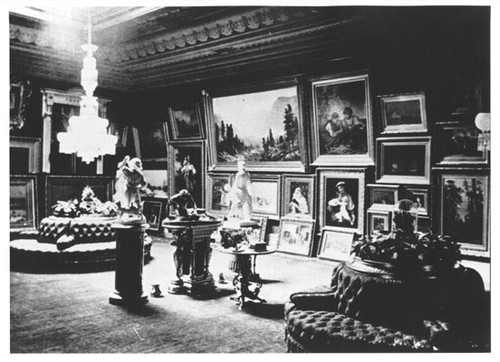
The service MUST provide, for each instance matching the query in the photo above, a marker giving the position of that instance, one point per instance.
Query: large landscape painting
(261, 126)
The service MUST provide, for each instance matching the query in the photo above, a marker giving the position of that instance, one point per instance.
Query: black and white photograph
(250, 179)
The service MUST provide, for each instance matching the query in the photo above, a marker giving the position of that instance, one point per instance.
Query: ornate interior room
(250, 179)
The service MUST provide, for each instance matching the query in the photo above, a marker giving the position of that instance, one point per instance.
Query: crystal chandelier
(87, 134)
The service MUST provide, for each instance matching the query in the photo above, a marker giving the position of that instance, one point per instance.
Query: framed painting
(151, 142)
(20, 94)
(378, 220)
(383, 196)
(185, 123)
(64, 188)
(296, 236)
(404, 160)
(342, 121)
(187, 169)
(262, 230)
(262, 125)
(217, 197)
(421, 197)
(403, 113)
(153, 211)
(298, 195)
(266, 194)
(464, 208)
(156, 183)
(23, 203)
(25, 155)
(335, 245)
(342, 199)
(459, 143)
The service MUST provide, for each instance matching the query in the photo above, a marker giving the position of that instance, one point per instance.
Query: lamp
(483, 122)
(87, 134)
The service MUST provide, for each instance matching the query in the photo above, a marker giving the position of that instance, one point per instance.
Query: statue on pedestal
(184, 206)
(240, 196)
(129, 182)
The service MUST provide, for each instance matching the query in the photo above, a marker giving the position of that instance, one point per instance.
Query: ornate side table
(192, 255)
(247, 283)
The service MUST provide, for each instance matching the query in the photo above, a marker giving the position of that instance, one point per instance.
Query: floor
(54, 313)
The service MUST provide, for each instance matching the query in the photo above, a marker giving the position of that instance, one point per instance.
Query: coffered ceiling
(146, 48)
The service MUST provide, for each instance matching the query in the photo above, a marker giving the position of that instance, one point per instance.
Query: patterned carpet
(70, 313)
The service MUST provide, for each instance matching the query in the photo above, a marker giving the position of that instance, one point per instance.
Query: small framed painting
(217, 196)
(464, 206)
(335, 244)
(342, 121)
(153, 211)
(23, 203)
(266, 195)
(459, 143)
(404, 160)
(298, 195)
(296, 236)
(403, 113)
(186, 123)
(156, 183)
(383, 195)
(342, 199)
(261, 231)
(186, 165)
(379, 220)
(421, 198)
(151, 142)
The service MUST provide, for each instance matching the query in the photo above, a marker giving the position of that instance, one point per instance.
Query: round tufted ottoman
(324, 331)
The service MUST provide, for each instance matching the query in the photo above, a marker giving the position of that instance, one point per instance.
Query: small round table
(246, 276)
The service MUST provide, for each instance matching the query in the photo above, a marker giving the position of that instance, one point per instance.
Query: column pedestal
(129, 264)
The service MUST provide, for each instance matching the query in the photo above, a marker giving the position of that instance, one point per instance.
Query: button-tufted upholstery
(366, 311)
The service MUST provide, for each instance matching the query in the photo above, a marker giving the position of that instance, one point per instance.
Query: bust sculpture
(129, 182)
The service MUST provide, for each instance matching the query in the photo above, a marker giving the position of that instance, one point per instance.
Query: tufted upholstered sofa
(369, 309)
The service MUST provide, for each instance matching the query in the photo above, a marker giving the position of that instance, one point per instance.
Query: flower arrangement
(407, 250)
(90, 205)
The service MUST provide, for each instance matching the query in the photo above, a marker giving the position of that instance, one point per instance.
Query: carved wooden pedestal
(192, 256)
(129, 263)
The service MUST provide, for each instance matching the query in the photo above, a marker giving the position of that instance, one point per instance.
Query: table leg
(242, 284)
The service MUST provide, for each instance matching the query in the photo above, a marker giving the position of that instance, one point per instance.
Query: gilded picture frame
(296, 236)
(348, 212)
(303, 205)
(23, 202)
(335, 245)
(464, 209)
(342, 126)
(186, 123)
(404, 160)
(403, 113)
(262, 124)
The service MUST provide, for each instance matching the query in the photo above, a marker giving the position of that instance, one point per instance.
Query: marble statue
(129, 182)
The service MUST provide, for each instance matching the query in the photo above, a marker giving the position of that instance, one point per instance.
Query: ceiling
(148, 48)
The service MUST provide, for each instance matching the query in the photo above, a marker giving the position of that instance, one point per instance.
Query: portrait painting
(186, 165)
(186, 123)
(298, 199)
(420, 197)
(152, 211)
(342, 120)
(335, 245)
(296, 236)
(404, 113)
(342, 199)
(464, 210)
(219, 187)
(23, 212)
(404, 160)
(263, 126)
(266, 195)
